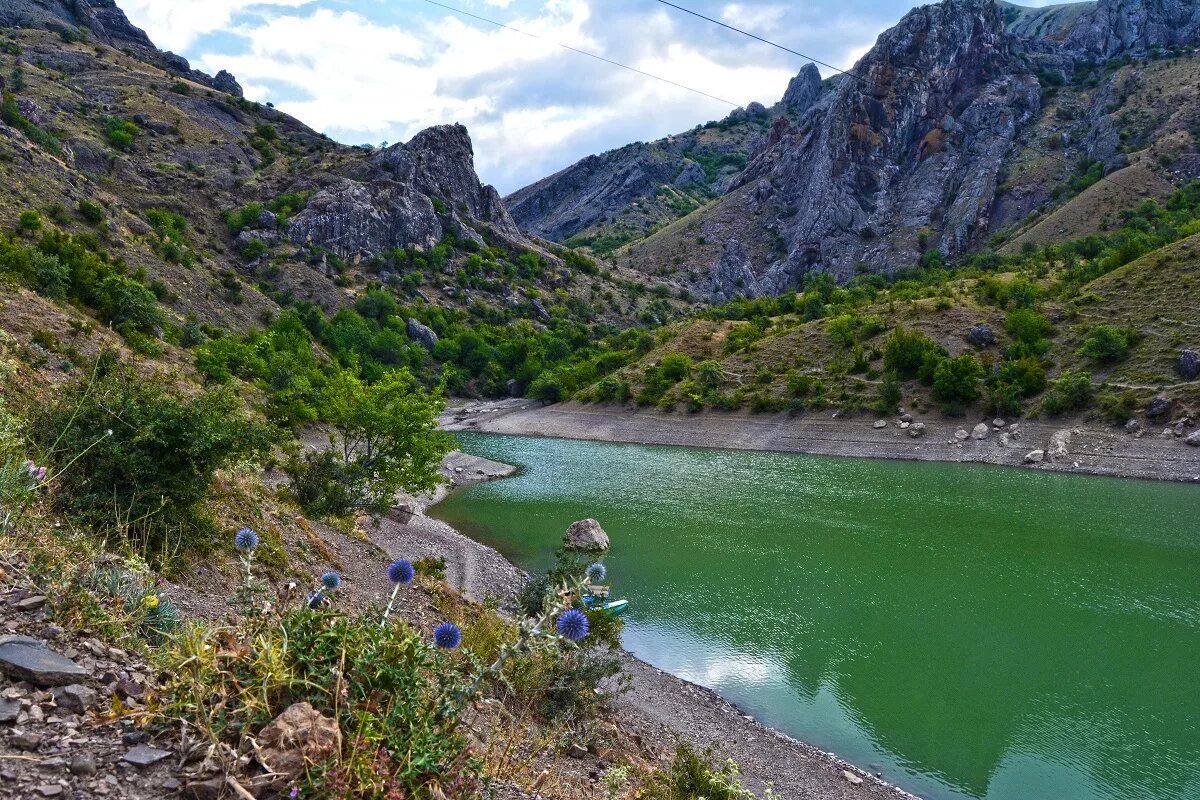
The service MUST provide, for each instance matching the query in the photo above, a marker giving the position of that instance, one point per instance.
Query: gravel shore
(660, 708)
(1087, 448)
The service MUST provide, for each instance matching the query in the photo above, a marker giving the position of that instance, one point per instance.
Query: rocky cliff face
(626, 193)
(413, 194)
(1117, 27)
(103, 21)
(914, 144)
(101, 18)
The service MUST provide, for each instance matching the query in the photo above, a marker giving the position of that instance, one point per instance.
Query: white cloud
(757, 19)
(531, 106)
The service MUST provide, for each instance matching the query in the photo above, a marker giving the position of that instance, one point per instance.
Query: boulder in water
(586, 535)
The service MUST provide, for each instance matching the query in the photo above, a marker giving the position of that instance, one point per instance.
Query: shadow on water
(970, 632)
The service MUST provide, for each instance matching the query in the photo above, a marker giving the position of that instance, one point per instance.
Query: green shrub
(674, 367)
(956, 380)
(691, 776)
(253, 249)
(128, 305)
(1069, 392)
(121, 132)
(148, 480)
(547, 388)
(52, 278)
(889, 395)
(1108, 344)
(92, 213)
(905, 352)
(29, 221)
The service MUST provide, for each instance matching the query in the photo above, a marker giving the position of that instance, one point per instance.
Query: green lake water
(967, 631)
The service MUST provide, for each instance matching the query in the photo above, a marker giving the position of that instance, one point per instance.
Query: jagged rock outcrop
(101, 18)
(224, 81)
(803, 90)
(607, 189)
(914, 144)
(413, 194)
(1116, 27)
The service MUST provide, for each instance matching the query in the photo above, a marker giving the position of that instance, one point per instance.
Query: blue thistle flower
(331, 580)
(401, 571)
(596, 572)
(447, 636)
(246, 540)
(573, 624)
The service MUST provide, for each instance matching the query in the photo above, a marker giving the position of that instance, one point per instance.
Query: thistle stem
(387, 611)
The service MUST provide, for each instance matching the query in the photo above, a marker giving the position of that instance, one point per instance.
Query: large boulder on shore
(586, 535)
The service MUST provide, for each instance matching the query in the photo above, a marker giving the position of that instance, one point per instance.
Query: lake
(967, 631)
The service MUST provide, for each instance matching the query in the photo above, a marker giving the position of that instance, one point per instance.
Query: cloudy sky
(381, 70)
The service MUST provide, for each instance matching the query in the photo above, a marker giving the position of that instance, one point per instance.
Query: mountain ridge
(939, 162)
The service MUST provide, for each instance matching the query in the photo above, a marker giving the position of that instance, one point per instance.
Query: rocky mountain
(607, 200)
(230, 209)
(961, 122)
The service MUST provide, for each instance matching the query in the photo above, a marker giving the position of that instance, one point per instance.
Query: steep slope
(904, 157)
(228, 208)
(968, 120)
(607, 200)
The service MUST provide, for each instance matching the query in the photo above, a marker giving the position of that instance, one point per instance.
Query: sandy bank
(1091, 449)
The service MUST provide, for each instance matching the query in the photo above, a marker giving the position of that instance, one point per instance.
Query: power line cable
(859, 78)
(758, 38)
(580, 52)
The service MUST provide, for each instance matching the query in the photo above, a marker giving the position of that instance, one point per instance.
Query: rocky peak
(913, 143)
(440, 163)
(1136, 26)
(101, 18)
(413, 195)
(803, 90)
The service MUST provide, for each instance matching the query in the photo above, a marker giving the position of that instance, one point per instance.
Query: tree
(905, 352)
(385, 439)
(956, 380)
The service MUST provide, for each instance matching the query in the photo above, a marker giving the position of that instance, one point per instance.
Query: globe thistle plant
(329, 583)
(596, 572)
(447, 636)
(401, 573)
(246, 540)
(572, 624)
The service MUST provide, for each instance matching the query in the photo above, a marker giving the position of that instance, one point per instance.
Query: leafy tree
(385, 439)
(956, 380)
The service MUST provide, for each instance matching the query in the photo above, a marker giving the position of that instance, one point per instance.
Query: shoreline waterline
(686, 705)
(939, 530)
(1090, 450)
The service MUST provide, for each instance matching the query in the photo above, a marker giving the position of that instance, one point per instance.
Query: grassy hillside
(1116, 307)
